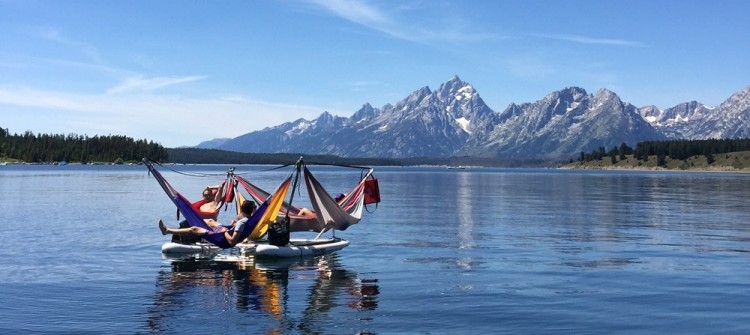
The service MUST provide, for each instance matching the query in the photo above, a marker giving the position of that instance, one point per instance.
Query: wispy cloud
(363, 13)
(172, 120)
(392, 23)
(55, 35)
(28, 97)
(149, 84)
(355, 11)
(591, 40)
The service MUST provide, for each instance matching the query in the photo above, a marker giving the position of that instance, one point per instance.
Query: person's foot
(162, 227)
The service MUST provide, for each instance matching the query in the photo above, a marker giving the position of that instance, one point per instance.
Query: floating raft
(299, 248)
(295, 248)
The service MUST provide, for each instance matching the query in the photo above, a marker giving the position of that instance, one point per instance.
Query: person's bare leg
(211, 223)
(180, 231)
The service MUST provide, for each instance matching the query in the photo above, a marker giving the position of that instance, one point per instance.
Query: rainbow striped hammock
(257, 224)
(328, 214)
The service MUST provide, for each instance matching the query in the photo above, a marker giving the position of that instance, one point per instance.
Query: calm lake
(472, 251)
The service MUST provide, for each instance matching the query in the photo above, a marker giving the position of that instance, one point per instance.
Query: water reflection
(465, 208)
(643, 220)
(290, 295)
(465, 220)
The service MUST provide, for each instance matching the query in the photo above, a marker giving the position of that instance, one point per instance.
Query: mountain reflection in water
(283, 294)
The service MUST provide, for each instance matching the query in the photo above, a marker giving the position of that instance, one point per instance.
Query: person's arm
(234, 236)
(237, 218)
(216, 190)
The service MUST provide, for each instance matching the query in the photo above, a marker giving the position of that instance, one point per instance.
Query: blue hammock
(219, 239)
(194, 219)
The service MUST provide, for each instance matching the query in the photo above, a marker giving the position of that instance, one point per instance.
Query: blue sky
(181, 72)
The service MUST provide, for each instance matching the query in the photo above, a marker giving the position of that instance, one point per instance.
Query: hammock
(259, 195)
(227, 196)
(329, 214)
(256, 225)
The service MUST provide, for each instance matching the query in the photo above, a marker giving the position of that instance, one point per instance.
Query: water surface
(447, 251)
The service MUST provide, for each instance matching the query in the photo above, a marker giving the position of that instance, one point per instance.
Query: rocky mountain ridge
(454, 121)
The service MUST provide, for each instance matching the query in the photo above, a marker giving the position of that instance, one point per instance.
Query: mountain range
(454, 121)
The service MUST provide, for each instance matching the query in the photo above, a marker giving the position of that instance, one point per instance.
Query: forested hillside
(49, 148)
(713, 154)
(28, 147)
(213, 156)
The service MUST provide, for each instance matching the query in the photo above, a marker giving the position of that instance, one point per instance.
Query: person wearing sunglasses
(209, 204)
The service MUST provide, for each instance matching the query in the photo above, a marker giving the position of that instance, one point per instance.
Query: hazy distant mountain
(213, 144)
(454, 121)
(695, 121)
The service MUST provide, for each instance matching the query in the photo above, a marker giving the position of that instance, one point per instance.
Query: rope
(190, 174)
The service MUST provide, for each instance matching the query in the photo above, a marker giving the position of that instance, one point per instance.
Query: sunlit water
(472, 251)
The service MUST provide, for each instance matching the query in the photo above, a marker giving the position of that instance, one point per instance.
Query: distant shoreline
(730, 162)
(718, 169)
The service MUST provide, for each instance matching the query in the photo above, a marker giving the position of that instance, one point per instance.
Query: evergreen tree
(710, 158)
(55, 148)
(661, 159)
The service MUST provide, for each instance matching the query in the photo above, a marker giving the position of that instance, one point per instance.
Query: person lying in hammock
(308, 212)
(231, 232)
(208, 205)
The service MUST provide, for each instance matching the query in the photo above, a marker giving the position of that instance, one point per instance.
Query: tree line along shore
(729, 155)
(705, 155)
(49, 149)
